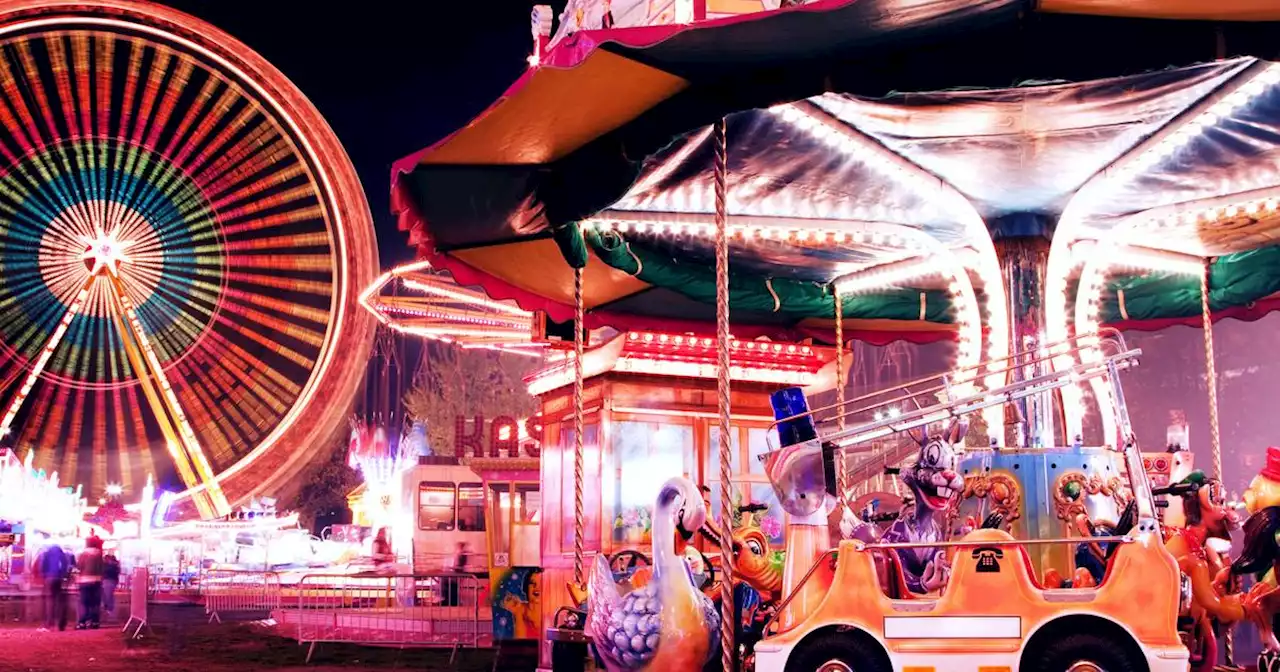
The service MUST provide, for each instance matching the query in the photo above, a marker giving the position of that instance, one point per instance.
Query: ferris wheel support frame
(188, 457)
(180, 439)
(6, 425)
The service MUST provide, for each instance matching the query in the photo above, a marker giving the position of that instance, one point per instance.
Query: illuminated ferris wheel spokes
(104, 255)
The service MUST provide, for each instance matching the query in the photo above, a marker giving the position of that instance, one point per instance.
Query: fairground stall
(35, 510)
(181, 554)
(883, 170)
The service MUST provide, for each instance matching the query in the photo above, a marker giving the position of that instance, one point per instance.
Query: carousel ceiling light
(436, 287)
(790, 229)
(506, 348)
(886, 275)
(1088, 254)
(448, 313)
(755, 374)
(675, 345)
(449, 316)
(465, 332)
(1149, 259)
(1105, 258)
(1254, 203)
(646, 353)
(935, 193)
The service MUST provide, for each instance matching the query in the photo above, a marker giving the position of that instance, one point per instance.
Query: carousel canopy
(864, 137)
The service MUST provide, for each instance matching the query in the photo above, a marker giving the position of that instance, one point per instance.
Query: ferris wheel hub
(105, 253)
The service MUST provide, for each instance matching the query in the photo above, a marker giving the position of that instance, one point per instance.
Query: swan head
(682, 500)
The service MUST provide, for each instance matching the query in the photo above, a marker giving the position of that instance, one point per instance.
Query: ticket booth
(513, 507)
(650, 414)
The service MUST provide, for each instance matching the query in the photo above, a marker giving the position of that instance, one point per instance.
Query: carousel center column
(1022, 246)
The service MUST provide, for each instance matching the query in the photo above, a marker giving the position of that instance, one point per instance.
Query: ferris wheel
(182, 243)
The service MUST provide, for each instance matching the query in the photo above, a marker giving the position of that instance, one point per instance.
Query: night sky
(390, 76)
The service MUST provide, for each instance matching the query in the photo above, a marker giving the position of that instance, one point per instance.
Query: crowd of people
(94, 574)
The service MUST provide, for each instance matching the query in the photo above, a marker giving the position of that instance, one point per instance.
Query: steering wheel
(628, 561)
(711, 570)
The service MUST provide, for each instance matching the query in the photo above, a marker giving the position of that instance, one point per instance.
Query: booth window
(528, 502)
(751, 485)
(513, 510)
(644, 456)
(590, 495)
(435, 506)
(470, 507)
(500, 502)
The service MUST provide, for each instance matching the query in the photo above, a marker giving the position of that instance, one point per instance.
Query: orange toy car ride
(1003, 607)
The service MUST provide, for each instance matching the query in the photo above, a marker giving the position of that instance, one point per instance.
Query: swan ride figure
(668, 624)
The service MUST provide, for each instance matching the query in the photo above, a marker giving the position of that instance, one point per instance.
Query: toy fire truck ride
(1066, 572)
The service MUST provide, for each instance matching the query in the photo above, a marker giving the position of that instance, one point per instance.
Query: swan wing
(602, 593)
(603, 600)
(712, 614)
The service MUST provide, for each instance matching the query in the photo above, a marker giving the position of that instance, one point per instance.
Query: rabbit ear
(957, 431)
(919, 434)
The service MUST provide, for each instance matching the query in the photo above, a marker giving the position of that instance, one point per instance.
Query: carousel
(952, 171)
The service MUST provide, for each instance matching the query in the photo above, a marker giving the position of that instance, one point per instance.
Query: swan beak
(684, 534)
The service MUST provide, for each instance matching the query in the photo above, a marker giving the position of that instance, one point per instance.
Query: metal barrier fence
(243, 593)
(138, 584)
(423, 610)
(174, 585)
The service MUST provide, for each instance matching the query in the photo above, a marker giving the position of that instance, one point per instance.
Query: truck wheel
(1084, 652)
(839, 652)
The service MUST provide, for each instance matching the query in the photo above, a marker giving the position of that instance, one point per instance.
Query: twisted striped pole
(842, 474)
(727, 649)
(578, 337)
(1215, 435)
(1211, 371)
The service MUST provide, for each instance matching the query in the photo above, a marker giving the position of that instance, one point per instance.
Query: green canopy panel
(1235, 281)
(797, 299)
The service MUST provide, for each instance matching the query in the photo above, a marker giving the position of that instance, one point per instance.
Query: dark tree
(324, 486)
(453, 382)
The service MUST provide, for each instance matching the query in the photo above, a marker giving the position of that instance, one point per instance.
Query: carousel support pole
(579, 577)
(728, 650)
(1215, 436)
(842, 473)
(1022, 246)
(1211, 371)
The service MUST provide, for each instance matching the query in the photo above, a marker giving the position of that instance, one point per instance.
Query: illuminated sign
(508, 437)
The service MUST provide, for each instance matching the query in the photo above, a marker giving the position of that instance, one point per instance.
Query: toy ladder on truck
(803, 472)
